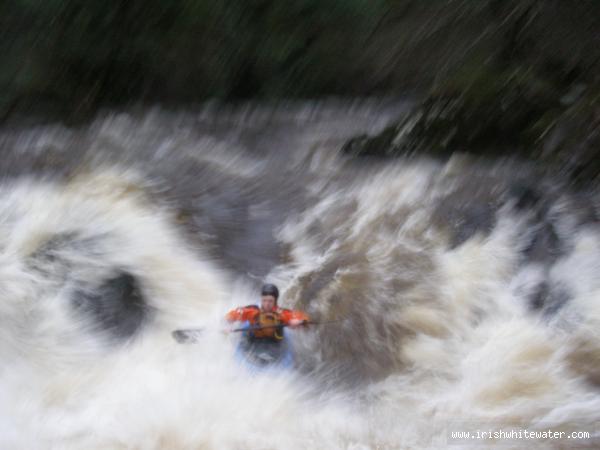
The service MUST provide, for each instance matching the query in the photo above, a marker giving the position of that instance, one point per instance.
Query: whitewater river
(465, 294)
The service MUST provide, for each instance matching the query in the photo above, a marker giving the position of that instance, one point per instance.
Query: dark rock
(377, 146)
(545, 245)
(526, 197)
(548, 299)
(493, 113)
(117, 306)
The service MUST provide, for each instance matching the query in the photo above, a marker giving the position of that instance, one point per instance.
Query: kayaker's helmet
(270, 289)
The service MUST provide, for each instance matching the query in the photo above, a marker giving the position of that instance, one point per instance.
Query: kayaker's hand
(296, 323)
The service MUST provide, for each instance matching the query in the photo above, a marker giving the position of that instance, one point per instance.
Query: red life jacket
(270, 324)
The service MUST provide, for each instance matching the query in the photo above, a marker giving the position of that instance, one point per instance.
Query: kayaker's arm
(242, 314)
(294, 318)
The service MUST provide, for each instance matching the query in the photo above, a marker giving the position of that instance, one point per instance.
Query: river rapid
(464, 294)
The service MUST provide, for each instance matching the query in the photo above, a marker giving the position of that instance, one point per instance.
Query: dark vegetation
(495, 76)
(70, 57)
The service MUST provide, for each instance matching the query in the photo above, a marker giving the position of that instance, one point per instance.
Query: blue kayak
(265, 355)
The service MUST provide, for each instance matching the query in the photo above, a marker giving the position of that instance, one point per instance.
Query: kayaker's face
(267, 303)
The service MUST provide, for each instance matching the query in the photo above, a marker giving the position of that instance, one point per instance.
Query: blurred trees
(69, 57)
(79, 55)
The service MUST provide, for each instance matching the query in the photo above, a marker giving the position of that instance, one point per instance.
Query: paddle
(192, 334)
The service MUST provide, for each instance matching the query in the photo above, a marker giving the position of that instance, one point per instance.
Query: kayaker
(268, 320)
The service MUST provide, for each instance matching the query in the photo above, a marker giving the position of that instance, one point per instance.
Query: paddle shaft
(252, 328)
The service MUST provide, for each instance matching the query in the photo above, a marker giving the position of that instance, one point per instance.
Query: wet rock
(548, 298)
(501, 115)
(381, 145)
(116, 307)
(545, 245)
(487, 113)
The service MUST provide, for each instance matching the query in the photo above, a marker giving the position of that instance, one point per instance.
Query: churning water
(464, 294)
